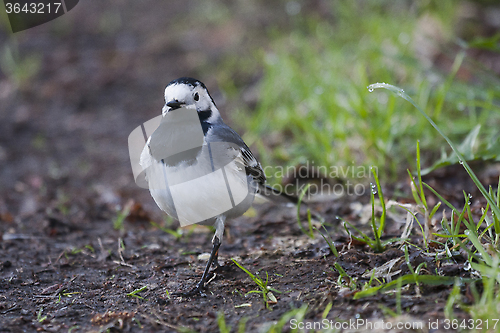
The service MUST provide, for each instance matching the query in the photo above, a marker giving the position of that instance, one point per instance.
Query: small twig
(48, 269)
(121, 263)
(214, 275)
(160, 321)
(60, 256)
(13, 308)
(64, 285)
(120, 249)
(120, 253)
(104, 253)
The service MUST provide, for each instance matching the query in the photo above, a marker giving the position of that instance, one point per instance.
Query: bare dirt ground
(65, 176)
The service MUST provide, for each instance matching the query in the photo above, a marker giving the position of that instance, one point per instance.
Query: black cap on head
(187, 80)
(192, 82)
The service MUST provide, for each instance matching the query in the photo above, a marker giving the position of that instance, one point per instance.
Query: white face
(188, 96)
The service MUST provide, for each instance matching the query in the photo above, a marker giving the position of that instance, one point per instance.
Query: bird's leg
(215, 263)
(219, 232)
(201, 285)
(213, 258)
(216, 241)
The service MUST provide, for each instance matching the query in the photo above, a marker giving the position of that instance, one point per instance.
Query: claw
(196, 291)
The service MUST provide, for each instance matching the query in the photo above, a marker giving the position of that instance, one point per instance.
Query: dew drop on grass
(370, 89)
(467, 266)
(470, 196)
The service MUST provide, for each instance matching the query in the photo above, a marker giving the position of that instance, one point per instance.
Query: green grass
(479, 240)
(344, 279)
(265, 289)
(137, 291)
(490, 198)
(377, 228)
(313, 105)
(309, 217)
(119, 220)
(483, 251)
(39, 316)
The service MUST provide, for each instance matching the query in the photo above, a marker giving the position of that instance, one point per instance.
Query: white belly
(197, 193)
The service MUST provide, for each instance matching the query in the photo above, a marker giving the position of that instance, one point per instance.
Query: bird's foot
(196, 291)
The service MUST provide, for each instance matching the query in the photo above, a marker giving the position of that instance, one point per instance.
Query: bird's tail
(276, 195)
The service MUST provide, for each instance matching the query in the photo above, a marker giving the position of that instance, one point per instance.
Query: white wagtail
(198, 169)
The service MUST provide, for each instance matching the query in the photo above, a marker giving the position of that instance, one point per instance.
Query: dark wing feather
(252, 166)
(222, 133)
(254, 169)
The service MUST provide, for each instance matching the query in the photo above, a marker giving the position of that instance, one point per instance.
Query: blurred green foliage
(313, 103)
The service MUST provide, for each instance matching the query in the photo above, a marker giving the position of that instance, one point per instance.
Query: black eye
(196, 97)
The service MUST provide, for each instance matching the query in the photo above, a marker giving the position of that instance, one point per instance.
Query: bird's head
(192, 94)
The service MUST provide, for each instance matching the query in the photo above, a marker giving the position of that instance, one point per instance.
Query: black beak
(175, 104)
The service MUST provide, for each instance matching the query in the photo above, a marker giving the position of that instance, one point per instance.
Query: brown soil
(65, 175)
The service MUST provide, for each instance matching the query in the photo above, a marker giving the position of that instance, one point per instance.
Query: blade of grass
(431, 280)
(477, 244)
(382, 203)
(329, 242)
(299, 202)
(452, 299)
(419, 175)
(400, 92)
(135, 292)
